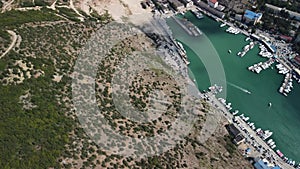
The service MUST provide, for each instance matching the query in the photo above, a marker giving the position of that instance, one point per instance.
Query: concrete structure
(268, 45)
(220, 7)
(233, 130)
(177, 5)
(260, 164)
(251, 17)
(238, 137)
(213, 3)
(213, 11)
(238, 17)
(187, 3)
(285, 38)
(296, 61)
(276, 9)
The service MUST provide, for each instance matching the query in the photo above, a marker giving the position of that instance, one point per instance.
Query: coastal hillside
(40, 42)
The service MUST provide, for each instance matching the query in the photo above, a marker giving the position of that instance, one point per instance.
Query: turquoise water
(283, 117)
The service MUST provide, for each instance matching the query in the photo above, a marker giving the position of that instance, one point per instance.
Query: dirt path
(75, 10)
(6, 5)
(14, 37)
(52, 6)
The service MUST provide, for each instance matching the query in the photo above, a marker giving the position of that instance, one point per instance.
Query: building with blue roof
(251, 17)
(260, 164)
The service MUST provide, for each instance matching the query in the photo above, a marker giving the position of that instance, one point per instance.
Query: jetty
(188, 26)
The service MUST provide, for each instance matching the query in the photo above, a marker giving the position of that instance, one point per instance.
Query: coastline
(272, 152)
(158, 21)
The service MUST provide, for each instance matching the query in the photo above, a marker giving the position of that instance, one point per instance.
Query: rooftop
(213, 1)
(261, 165)
(252, 15)
(233, 130)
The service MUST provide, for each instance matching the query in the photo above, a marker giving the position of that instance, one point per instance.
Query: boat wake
(238, 87)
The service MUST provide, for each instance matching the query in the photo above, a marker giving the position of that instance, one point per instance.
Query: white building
(213, 3)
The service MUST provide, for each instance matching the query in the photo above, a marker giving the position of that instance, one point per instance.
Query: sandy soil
(7, 6)
(119, 9)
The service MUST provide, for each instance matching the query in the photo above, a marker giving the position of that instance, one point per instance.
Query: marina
(260, 111)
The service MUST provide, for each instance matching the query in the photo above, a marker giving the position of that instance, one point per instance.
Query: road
(247, 132)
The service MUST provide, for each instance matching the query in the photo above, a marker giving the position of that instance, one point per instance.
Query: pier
(189, 27)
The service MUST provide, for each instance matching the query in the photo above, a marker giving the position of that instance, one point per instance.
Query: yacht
(229, 51)
(269, 141)
(272, 143)
(266, 134)
(246, 118)
(273, 146)
(235, 112)
(222, 25)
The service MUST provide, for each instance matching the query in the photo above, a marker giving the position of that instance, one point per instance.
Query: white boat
(242, 116)
(229, 51)
(272, 143)
(246, 47)
(273, 146)
(246, 118)
(235, 112)
(222, 25)
(266, 134)
(270, 104)
(269, 141)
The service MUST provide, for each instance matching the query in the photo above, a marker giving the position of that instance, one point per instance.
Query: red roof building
(213, 3)
(286, 38)
(297, 59)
